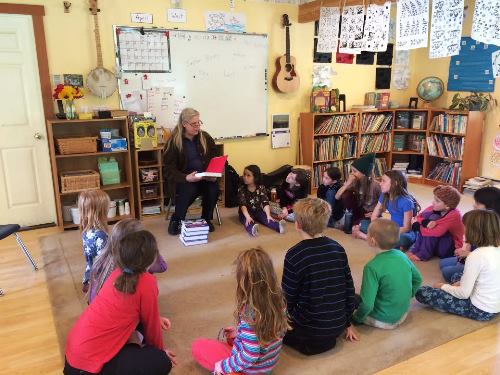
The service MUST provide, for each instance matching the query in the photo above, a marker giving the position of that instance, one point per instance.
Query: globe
(430, 88)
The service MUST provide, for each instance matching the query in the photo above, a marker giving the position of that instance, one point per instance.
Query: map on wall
(471, 69)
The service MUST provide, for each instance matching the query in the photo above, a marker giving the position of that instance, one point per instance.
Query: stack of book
(400, 166)
(337, 124)
(377, 122)
(414, 172)
(194, 232)
(447, 172)
(450, 124)
(375, 143)
(476, 183)
(445, 147)
(152, 209)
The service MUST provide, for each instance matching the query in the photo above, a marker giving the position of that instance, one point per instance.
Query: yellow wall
(70, 46)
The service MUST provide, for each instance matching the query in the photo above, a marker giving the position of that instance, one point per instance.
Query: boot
(173, 227)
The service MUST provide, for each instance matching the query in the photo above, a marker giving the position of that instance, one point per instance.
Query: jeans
(439, 300)
(406, 239)
(258, 217)
(449, 267)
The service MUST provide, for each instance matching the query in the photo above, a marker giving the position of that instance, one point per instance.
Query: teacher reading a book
(188, 151)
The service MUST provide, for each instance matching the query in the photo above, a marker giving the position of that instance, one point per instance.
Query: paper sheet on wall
(446, 28)
(376, 32)
(401, 70)
(160, 103)
(134, 101)
(351, 29)
(322, 74)
(179, 103)
(225, 22)
(280, 138)
(486, 22)
(412, 24)
(329, 18)
(495, 60)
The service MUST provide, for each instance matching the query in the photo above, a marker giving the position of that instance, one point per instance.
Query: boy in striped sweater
(317, 283)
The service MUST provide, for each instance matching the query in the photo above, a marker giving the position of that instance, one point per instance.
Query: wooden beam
(309, 12)
(33, 10)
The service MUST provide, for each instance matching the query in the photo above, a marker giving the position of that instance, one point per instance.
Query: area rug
(197, 294)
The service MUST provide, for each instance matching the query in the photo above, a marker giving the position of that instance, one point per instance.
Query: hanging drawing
(446, 28)
(486, 22)
(401, 70)
(376, 32)
(412, 24)
(329, 19)
(471, 69)
(495, 61)
(351, 29)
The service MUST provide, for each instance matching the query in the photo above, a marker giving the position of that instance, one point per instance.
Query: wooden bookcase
(88, 161)
(469, 162)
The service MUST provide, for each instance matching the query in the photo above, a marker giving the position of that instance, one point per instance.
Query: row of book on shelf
(337, 147)
(411, 120)
(449, 123)
(380, 167)
(445, 146)
(447, 172)
(408, 142)
(375, 143)
(337, 124)
(377, 122)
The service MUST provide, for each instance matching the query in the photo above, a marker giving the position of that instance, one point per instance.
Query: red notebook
(215, 167)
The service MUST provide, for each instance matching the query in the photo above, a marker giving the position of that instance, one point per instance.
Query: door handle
(38, 136)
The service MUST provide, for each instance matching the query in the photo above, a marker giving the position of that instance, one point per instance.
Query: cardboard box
(113, 144)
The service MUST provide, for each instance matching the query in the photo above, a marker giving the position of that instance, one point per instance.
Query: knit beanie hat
(365, 164)
(448, 194)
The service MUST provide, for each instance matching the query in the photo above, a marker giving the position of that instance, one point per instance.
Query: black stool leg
(25, 251)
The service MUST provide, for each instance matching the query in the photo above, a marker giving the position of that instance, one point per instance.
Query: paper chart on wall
(495, 61)
(351, 29)
(160, 104)
(376, 32)
(148, 52)
(329, 19)
(446, 28)
(412, 24)
(486, 22)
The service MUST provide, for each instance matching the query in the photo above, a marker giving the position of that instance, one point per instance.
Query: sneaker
(255, 230)
(282, 226)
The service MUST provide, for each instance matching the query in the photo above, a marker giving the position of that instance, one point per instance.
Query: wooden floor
(28, 342)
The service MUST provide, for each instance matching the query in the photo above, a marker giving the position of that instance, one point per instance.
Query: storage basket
(79, 180)
(150, 191)
(81, 145)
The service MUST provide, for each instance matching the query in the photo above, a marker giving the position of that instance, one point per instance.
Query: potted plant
(473, 102)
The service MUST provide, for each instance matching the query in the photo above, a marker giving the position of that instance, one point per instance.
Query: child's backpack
(231, 185)
(416, 206)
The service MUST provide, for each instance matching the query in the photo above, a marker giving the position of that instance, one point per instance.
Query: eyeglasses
(196, 124)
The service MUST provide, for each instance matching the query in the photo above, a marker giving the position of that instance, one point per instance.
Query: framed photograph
(73, 80)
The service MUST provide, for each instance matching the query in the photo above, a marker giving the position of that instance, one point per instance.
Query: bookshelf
(61, 163)
(460, 133)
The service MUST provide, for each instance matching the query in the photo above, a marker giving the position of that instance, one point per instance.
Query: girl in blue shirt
(400, 205)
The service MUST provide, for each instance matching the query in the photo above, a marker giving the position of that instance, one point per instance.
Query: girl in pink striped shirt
(254, 346)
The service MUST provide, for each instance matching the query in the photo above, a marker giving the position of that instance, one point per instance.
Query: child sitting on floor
(317, 283)
(105, 263)
(487, 198)
(390, 280)
(292, 189)
(439, 227)
(400, 204)
(254, 346)
(254, 203)
(93, 207)
(476, 293)
(327, 190)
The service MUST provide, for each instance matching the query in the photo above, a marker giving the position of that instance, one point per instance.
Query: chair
(217, 212)
(7, 230)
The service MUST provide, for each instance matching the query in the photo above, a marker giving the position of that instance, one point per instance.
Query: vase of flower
(70, 109)
(68, 94)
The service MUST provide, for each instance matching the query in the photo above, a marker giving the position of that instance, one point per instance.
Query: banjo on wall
(100, 81)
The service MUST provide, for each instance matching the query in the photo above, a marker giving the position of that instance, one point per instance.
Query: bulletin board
(222, 75)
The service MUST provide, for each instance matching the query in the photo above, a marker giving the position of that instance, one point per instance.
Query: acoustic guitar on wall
(286, 78)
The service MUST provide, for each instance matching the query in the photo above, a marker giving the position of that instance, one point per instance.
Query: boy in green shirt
(390, 280)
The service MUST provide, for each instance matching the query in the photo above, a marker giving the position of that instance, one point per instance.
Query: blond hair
(93, 206)
(482, 228)
(312, 215)
(385, 232)
(259, 298)
(176, 139)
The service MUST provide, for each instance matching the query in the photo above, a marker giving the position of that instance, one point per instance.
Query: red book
(215, 167)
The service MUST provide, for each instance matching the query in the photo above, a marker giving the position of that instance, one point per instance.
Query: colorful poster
(351, 29)
(486, 22)
(446, 28)
(412, 24)
(329, 19)
(376, 33)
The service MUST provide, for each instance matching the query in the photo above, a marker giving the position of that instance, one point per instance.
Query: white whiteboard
(222, 75)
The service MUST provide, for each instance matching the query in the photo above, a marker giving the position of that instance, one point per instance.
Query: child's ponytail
(135, 253)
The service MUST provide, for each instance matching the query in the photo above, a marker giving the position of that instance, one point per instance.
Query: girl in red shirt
(104, 340)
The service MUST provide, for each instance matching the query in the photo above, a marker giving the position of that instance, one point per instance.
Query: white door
(26, 190)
